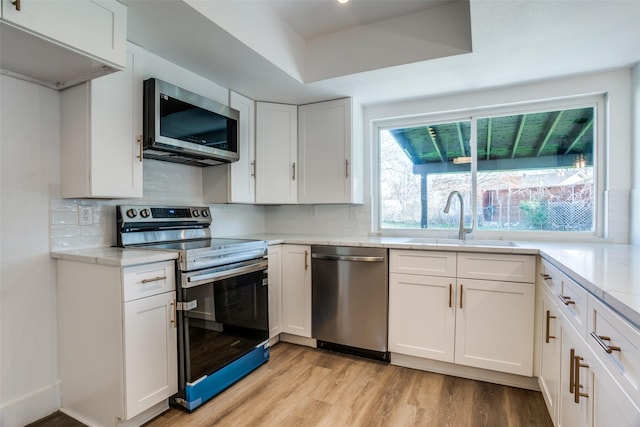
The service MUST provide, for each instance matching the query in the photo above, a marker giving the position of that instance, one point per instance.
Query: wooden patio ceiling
(547, 139)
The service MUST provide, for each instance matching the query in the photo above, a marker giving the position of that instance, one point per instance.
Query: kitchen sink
(470, 242)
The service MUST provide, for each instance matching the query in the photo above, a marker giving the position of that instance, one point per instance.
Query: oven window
(231, 319)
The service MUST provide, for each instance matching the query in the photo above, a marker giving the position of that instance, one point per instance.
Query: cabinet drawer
(550, 277)
(617, 344)
(506, 268)
(148, 279)
(573, 303)
(423, 262)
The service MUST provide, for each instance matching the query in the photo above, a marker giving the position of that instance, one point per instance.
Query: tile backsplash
(164, 183)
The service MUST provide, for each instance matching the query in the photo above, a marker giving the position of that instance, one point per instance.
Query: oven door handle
(197, 279)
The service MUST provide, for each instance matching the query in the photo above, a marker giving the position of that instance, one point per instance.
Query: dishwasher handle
(348, 258)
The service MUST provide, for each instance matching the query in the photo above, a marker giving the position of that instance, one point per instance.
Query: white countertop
(117, 257)
(611, 272)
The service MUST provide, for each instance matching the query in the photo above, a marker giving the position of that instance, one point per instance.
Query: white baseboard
(295, 339)
(31, 407)
(136, 421)
(530, 383)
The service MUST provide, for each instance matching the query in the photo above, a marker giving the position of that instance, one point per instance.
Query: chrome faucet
(462, 231)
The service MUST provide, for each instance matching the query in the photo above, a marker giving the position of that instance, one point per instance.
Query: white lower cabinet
(296, 290)
(494, 325)
(481, 323)
(549, 347)
(150, 351)
(585, 383)
(576, 387)
(417, 301)
(274, 254)
(117, 340)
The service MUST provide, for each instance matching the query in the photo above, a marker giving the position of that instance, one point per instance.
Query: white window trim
(597, 101)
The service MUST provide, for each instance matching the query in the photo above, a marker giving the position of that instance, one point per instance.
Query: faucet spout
(461, 229)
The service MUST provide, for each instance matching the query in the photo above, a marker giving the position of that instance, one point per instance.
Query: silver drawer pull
(600, 339)
(154, 279)
(545, 276)
(566, 300)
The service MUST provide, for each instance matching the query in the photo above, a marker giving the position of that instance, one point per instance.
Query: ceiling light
(461, 160)
(342, 1)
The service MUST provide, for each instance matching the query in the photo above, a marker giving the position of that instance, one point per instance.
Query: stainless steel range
(223, 319)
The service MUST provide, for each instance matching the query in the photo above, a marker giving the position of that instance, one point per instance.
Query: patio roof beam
(461, 140)
(580, 135)
(550, 132)
(523, 119)
(489, 126)
(432, 135)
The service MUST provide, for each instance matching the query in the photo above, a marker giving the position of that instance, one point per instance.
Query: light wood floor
(301, 386)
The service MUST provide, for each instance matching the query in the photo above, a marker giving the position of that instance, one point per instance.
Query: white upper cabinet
(330, 152)
(63, 42)
(236, 182)
(276, 153)
(101, 128)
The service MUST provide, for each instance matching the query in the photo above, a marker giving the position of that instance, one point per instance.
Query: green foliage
(536, 213)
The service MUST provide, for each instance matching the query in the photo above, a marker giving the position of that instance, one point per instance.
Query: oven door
(224, 315)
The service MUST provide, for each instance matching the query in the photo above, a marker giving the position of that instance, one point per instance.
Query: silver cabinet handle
(600, 339)
(306, 260)
(139, 156)
(577, 365)
(154, 279)
(293, 177)
(253, 169)
(347, 172)
(547, 336)
(566, 300)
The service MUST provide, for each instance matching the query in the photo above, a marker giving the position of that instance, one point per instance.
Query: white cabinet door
(275, 289)
(97, 28)
(101, 135)
(549, 345)
(422, 316)
(235, 182)
(276, 153)
(611, 405)
(576, 387)
(330, 158)
(150, 348)
(296, 290)
(494, 325)
(242, 174)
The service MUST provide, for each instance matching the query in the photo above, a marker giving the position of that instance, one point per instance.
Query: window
(528, 171)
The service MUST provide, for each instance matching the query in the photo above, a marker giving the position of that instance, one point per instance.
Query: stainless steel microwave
(182, 127)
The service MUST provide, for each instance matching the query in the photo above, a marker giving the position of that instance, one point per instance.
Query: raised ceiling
(265, 48)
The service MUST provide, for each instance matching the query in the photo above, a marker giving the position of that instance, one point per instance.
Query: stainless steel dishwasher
(350, 299)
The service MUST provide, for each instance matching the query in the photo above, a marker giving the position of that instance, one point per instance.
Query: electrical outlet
(85, 215)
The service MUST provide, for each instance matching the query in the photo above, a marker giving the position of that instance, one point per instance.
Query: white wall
(30, 165)
(635, 155)
(614, 85)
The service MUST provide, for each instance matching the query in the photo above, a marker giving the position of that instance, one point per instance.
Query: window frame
(595, 101)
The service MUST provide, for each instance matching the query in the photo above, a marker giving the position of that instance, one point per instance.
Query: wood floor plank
(302, 386)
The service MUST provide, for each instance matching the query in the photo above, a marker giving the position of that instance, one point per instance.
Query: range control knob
(131, 213)
(195, 213)
(144, 213)
(205, 213)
